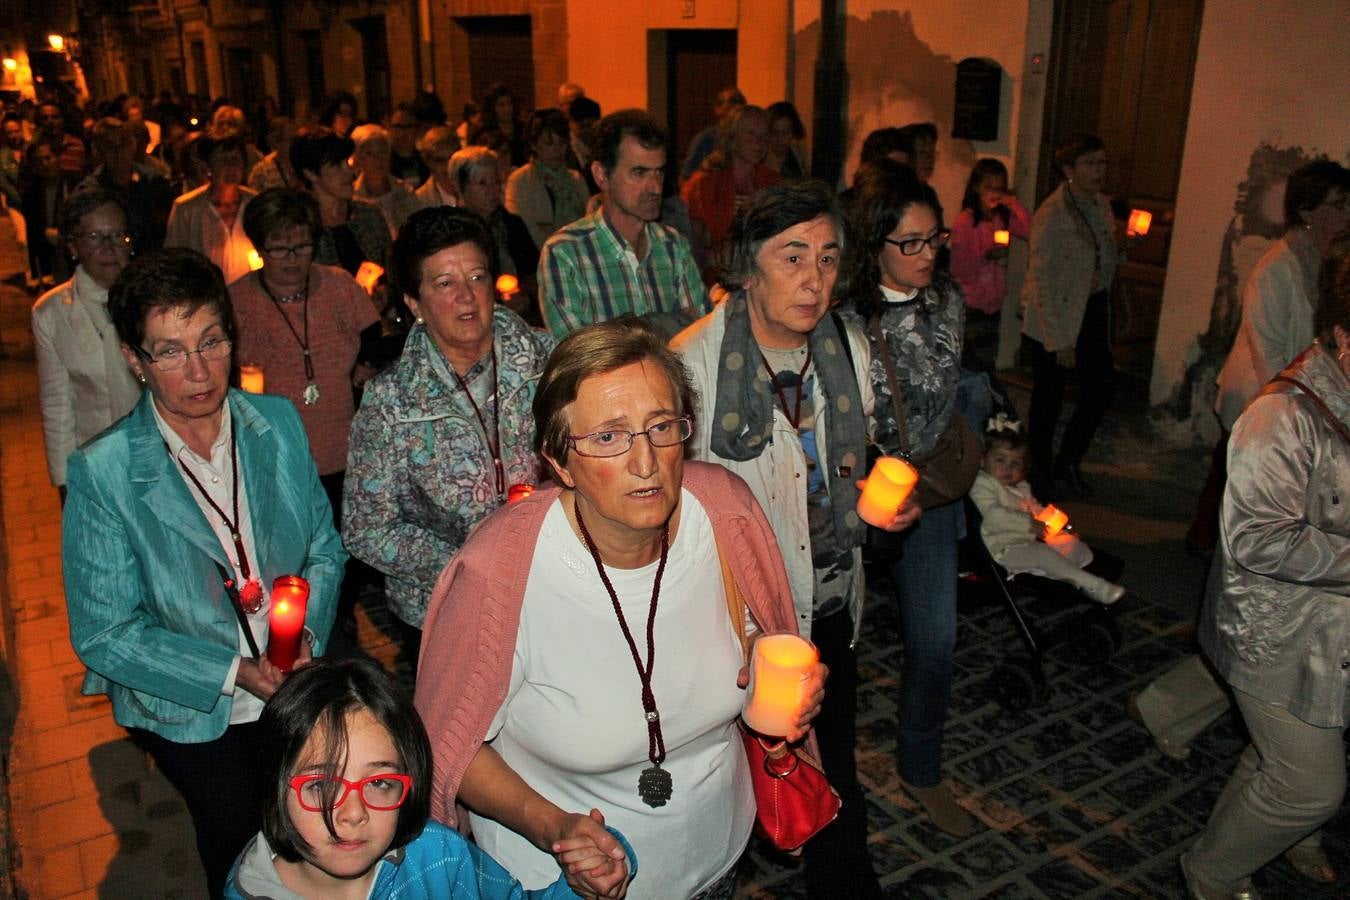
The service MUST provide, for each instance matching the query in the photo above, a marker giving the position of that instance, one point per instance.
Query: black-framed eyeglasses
(306, 249)
(171, 358)
(617, 442)
(914, 246)
(97, 239)
(384, 791)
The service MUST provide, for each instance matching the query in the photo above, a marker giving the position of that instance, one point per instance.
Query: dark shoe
(942, 808)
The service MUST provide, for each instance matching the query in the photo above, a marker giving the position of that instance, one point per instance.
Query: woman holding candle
(178, 520)
(990, 216)
(476, 173)
(1021, 533)
(1276, 622)
(919, 315)
(444, 433)
(598, 671)
(354, 231)
(210, 219)
(1066, 314)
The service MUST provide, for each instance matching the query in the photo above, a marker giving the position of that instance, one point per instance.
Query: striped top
(587, 274)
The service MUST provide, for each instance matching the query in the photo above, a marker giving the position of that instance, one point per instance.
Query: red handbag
(793, 799)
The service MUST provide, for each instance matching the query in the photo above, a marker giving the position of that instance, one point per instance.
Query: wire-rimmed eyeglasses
(617, 441)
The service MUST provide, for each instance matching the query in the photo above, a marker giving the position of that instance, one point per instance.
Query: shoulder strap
(874, 323)
(1308, 392)
(735, 602)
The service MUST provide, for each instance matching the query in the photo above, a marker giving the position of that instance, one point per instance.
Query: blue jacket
(149, 617)
(438, 864)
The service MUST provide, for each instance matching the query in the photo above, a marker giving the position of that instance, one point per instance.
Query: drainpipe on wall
(831, 82)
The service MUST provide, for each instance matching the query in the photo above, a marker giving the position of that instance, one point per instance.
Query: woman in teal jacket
(178, 518)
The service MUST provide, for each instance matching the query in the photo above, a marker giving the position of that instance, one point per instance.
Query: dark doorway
(201, 85)
(242, 79)
(1122, 69)
(501, 49)
(375, 57)
(699, 63)
(311, 44)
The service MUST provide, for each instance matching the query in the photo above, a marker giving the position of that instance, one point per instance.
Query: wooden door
(501, 49)
(1122, 69)
(700, 63)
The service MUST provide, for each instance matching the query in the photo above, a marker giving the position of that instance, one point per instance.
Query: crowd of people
(558, 400)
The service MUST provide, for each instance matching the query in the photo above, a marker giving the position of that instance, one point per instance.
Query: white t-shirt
(572, 724)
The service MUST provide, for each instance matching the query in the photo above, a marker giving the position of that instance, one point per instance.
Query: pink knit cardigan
(469, 636)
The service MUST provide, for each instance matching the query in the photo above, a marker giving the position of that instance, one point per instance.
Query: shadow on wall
(1258, 221)
(895, 78)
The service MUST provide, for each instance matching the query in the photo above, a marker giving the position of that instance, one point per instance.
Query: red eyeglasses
(384, 791)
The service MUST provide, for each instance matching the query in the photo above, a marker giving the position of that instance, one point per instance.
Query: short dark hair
(277, 209)
(316, 700)
(314, 148)
(545, 120)
(583, 109)
(429, 231)
(332, 105)
(1014, 438)
(1074, 148)
(785, 110)
(1333, 294)
(83, 202)
(883, 192)
(488, 106)
(882, 142)
(917, 131)
(175, 278)
(595, 350)
(206, 146)
(971, 198)
(610, 131)
(772, 210)
(1308, 187)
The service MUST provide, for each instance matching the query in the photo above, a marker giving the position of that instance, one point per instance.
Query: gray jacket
(1276, 622)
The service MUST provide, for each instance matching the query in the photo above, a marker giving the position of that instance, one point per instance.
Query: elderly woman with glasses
(302, 323)
(442, 436)
(84, 384)
(178, 520)
(596, 678)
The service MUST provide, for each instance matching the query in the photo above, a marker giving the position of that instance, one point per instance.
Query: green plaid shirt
(587, 274)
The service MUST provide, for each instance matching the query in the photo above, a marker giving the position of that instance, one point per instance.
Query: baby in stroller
(1015, 538)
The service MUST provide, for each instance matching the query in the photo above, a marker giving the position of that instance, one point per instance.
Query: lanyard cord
(304, 343)
(493, 437)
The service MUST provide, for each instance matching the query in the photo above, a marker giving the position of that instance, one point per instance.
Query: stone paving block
(68, 742)
(63, 824)
(41, 630)
(32, 659)
(48, 785)
(58, 873)
(96, 855)
(62, 651)
(41, 717)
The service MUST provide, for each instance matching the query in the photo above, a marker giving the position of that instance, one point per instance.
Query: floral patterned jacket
(924, 338)
(419, 471)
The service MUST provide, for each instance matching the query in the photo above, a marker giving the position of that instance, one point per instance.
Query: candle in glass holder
(1053, 518)
(255, 262)
(887, 487)
(778, 670)
(1002, 237)
(508, 285)
(251, 379)
(1138, 223)
(369, 275)
(517, 492)
(286, 620)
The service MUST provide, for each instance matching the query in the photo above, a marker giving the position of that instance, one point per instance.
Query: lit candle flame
(507, 285)
(1139, 222)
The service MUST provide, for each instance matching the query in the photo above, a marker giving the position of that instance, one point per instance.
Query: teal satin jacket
(149, 617)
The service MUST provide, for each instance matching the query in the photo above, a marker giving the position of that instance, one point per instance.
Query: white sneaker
(1104, 592)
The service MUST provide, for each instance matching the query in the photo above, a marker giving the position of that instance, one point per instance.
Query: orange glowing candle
(286, 620)
(1138, 223)
(1054, 520)
(255, 262)
(251, 379)
(778, 670)
(507, 285)
(369, 275)
(1002, 237)
(887, 487)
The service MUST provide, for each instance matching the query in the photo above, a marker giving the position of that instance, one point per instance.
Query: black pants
(342, 642)
(837, 862)
(1095, 371)
(219, 783)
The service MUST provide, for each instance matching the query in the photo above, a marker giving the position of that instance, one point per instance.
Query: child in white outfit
(1010, 530)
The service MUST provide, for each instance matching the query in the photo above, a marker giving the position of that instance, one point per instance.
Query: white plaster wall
(1267, 71)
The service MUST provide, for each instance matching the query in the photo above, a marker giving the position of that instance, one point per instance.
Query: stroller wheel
(1094, 638)
(1014, 684)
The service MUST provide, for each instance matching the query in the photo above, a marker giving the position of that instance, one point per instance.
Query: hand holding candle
(286, 620)
(1054, 519)
(779, 670)
(887, 487)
